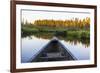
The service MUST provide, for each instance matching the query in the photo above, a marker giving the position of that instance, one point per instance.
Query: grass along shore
(60, 32)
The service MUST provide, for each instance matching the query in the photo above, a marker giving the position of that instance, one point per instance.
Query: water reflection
(85, 42)
(33, 43)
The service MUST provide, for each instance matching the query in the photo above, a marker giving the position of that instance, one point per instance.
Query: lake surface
(32, 44)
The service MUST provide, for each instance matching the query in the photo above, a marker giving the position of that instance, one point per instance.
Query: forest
(72, 23)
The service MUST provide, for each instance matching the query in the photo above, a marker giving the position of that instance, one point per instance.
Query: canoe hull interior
(53, 51)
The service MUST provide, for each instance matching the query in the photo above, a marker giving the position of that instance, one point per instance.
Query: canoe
(53, 51)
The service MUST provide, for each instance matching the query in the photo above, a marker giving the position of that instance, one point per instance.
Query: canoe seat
(58, 54)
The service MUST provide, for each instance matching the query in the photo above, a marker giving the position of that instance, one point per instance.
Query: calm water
(31, 45)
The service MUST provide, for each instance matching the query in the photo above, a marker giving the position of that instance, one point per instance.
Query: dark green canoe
(53, 51)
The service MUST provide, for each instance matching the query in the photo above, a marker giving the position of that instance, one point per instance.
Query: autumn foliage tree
(68, 23)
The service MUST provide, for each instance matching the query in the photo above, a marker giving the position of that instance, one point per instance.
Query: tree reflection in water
(71, 40)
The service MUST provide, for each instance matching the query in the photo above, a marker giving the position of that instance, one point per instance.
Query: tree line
(70, 23)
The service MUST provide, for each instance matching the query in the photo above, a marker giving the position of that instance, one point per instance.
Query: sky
(32, 15)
